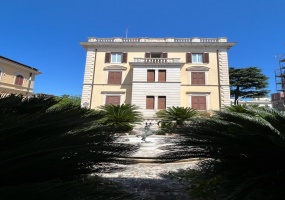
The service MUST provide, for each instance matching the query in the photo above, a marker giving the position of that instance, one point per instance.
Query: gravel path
(148, 180)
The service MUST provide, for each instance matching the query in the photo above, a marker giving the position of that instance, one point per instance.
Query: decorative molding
(115, 67)
(197, 68)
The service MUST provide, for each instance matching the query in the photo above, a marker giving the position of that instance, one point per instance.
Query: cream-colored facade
(156, 73)
(16, 78)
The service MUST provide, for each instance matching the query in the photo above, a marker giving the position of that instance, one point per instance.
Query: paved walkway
(149, 180)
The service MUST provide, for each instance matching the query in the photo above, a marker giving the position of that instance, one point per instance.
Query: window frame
(109, 72)
(196, 57)
(158, 101)
(106, 97)
(200, 94)
(16, 79)
(148, 79)
(117, 55)
(153, 102)
(198, 72)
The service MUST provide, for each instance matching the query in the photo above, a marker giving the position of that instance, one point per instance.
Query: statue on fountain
(147, 131)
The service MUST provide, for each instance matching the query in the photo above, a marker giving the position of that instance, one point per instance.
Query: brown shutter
(161, 75)
(198, 102)
(164, 55)
(107, 57)
(205, 57)
(117, 77)
(114, 77)
(125, 58)
(198, 78)
(147, 55)
(188, 57)
(19, 80)
(150, 75)
(161, 102)
(150, 102)
(111, 77)
(112, 100)
(194, 78)
(201, 78)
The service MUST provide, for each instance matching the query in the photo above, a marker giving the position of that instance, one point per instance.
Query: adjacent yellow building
(16, 78)
(156, 73)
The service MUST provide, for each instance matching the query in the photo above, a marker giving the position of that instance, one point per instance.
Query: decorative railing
(176, 40)
(156, 60)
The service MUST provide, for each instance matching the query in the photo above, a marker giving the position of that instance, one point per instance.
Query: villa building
(16, 77)
(156, 73)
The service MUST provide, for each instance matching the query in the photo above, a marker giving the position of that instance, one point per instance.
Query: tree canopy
(247, 82)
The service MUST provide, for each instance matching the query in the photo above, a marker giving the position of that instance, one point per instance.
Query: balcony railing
(157, 60)
(140, 40)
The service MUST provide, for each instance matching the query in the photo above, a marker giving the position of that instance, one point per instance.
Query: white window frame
(118, 57)
(107, 93)
(198, 69)
(206, 94)
(196, 57)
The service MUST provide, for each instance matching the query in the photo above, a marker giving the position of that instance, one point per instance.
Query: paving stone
(148, 180)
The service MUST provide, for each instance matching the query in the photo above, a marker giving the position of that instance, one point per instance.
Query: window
(150, 75)
(19, 80)
(115, 100)
(198, 78)
(156, 55)
(198, 102)
(197, 57)
(149, 102)
(116, 57)
(161, 102)
(161, 75)
(114, 77)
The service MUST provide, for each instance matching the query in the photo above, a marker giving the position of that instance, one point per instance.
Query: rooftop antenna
(127, 32)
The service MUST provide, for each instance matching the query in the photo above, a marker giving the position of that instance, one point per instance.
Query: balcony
(157, 60)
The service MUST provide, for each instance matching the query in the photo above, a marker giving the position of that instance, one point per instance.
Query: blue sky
(45, 34)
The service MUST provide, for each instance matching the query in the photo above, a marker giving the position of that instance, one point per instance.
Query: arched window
(19, 80)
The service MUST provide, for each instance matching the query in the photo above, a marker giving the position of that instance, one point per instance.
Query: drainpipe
(219, 80)
(29, 85)
(93, 77)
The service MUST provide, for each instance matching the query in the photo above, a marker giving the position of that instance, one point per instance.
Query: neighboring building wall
(196, 73)
(16, 78)
(277, 100)
(255, 101)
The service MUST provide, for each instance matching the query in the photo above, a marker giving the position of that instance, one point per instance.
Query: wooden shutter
(147, 55)
(150, 75)
(198, 102)
(198, 78)
(164, 55)
(125, 58)
(107, 57)
(161, 75)
(19, 80)
(205, 57)
(114, 77)
(150, 102)
(161, 102)
(115, 100)
(188, 57)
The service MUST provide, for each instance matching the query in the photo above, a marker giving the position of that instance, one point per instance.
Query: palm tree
(176, 116)
(120, 118)
(242, 149)
(46, 150)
